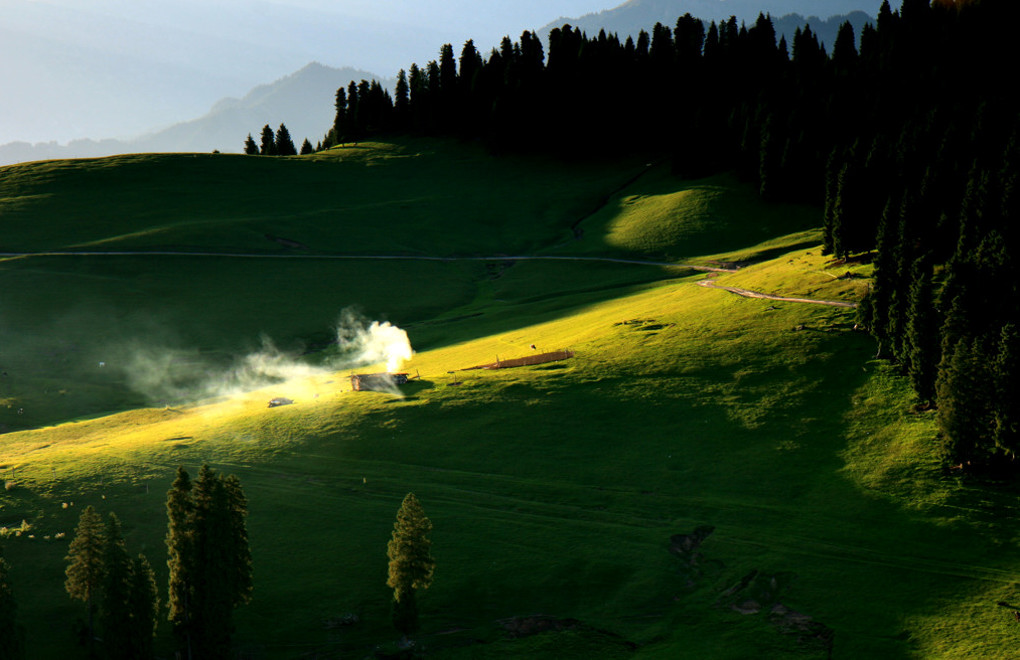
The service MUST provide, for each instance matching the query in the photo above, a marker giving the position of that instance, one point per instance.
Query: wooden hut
(376, 382)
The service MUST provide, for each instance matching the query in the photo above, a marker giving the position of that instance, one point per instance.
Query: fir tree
(353, 118)
(402, 101)
(268, 146)
(411, 565)
(963, 389)
(250, 148)
(284, 143)
(307, 148)
(340, 118)
(844, 51)
(922, 339)
(832, 169)
(180, 541)
(85, 565)
(144, 607)
(1006, 431)
(12, 634)
(115, 608)
(210, 561)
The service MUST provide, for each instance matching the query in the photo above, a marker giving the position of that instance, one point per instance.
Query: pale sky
(117, 68)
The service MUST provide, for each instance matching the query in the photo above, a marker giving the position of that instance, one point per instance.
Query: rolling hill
(303, 100)
(709, 475)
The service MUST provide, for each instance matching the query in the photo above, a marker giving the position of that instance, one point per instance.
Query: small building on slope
(376, 382)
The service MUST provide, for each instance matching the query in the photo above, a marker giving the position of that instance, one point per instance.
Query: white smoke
(373, 343)
(173, 375)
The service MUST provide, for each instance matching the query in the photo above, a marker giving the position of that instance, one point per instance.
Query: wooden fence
(526, 361)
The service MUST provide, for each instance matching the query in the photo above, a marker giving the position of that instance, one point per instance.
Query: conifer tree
(307, 148)
(284, 143)
(354, 119)
(1006, 431)
(832, 168)
(210, 561)
(340, 118)
(144, 607)
(115, 608)
(85, 565)
(844, 51)
(250, 148)
(12, 634)
(964, 392)
(239, 583)
(180, 541)
(402, 101)
(922, 339)
(268, 146)
(411, 565)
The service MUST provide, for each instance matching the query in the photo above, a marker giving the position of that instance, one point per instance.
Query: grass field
(556, 490)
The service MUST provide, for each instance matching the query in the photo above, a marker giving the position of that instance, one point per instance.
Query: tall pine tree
(144, 606)
(284, 143)
(922, 339)
(85, 570)
(210, 561)
(268, 145)
(250, 148)
(180, 541)
(115, 607)
(411, 565)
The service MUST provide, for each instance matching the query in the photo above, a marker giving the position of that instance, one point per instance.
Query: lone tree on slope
(411, 563)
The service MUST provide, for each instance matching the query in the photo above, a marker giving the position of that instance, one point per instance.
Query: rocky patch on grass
(686, 548)
(756, 593)
(525, 626)
(809, 633)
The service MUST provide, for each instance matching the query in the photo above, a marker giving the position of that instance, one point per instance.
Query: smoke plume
(173, 375)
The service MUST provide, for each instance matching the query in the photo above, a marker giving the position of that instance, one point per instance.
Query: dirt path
(768, 296)
(352, 257)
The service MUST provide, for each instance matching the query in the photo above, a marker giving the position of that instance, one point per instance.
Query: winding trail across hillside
(396, 257)
(355, 257)
(768, 296)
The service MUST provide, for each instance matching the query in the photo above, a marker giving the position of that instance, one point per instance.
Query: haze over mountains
(636, 14)
(787, 15)
(114, 76)
(303, 100)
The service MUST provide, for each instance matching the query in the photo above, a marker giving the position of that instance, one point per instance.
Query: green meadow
(710, 476)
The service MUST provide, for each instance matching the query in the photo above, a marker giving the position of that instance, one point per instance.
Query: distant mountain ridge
(303, 100)
(633, 16)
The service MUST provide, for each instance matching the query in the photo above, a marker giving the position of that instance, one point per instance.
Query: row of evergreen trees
(117, 588)
(210, 574)
(209, 560)
(905, 134)
(276, 144)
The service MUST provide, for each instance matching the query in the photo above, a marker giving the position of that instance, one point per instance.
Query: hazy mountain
(635, 15)
(303, 100)
(120, 68)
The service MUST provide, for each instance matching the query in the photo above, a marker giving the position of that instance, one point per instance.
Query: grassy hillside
(557, 491)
